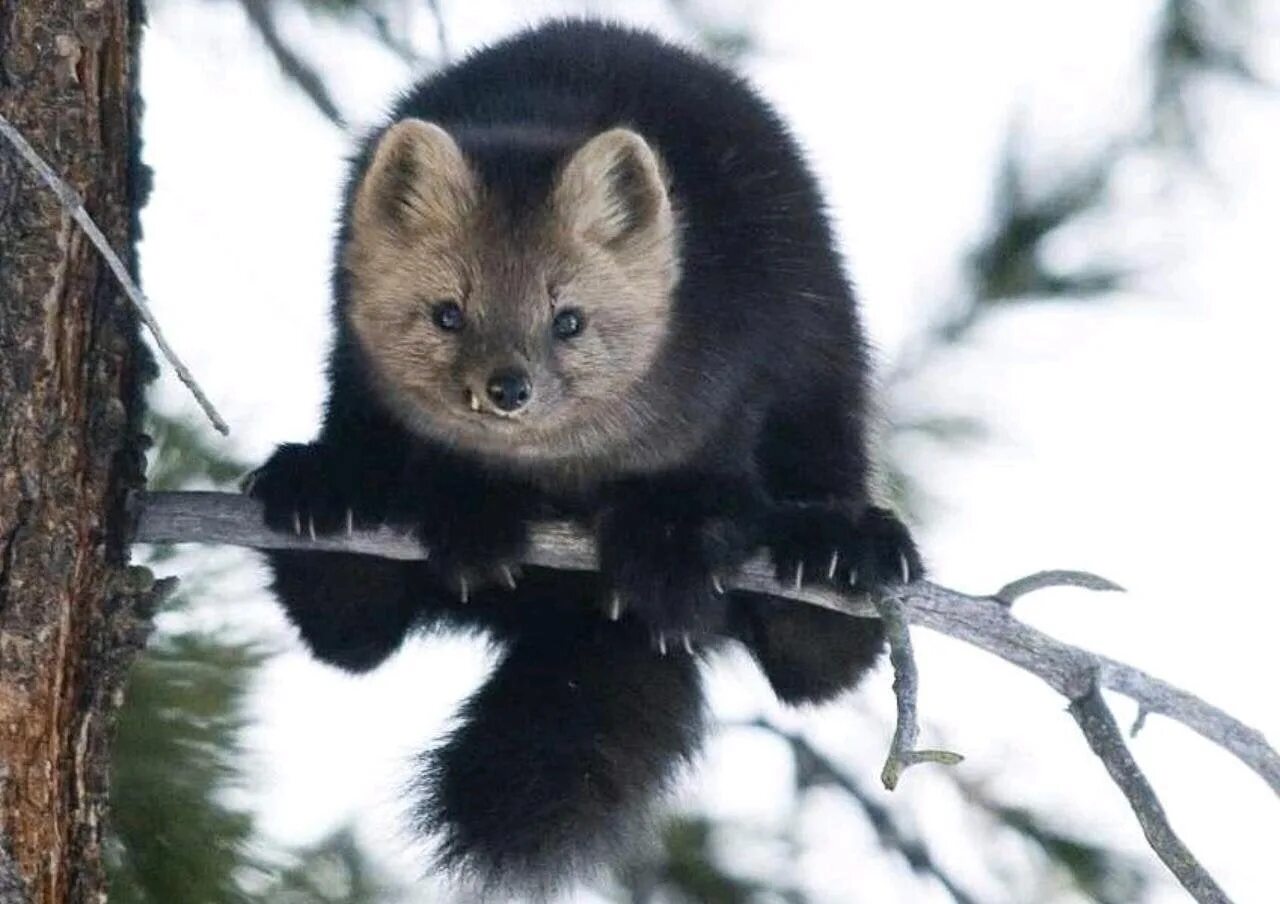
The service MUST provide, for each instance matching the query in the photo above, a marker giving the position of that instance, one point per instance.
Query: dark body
(750, 433)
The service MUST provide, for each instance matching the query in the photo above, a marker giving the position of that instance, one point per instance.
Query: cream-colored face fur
(604, 245)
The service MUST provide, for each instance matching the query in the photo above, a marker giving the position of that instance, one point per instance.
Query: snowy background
(1134, 436)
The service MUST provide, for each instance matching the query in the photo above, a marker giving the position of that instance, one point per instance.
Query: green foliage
(1006, 265)
(686, 870)
(899, 485)
(688, 864)
(721, 36)
(182, 457)
(175, 836)
(1195, 39)
(332, 872)
(336, 7)
(1096, 872)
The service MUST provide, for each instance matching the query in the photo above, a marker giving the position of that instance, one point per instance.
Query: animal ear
(417, 182)
(612, 192)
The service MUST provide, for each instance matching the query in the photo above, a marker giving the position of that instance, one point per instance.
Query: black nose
(509, 389)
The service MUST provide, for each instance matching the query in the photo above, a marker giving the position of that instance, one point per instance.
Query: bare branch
(442, 32)
(403, 50)
(227, 518)
(1103, 734)
(73, 205)
(983, 621)
(906, 679)
(298, 70)
(1012, 591)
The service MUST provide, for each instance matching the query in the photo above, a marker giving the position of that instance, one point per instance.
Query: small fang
(688, 644)
(462, 588)
(474, 400)
(311, 527)
(835, 563)
(508, 577)
(853, 577)
(799, 575)
(351, 523)
(906, 569)
(662, 644)
(297, 524)
(717, 584)
(615, 607)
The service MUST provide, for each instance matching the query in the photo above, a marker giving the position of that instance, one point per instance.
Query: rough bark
(69, 408)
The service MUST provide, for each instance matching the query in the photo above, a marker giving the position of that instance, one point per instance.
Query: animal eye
(447, 315)
(568, 323)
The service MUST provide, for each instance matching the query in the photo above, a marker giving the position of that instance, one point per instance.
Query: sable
(585, 272)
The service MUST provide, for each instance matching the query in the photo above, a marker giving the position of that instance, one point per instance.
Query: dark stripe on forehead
(516, 165)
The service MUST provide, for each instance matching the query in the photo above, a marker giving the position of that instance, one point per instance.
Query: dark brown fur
(714, 404)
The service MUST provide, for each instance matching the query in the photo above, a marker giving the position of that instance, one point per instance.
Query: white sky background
(1135, 437)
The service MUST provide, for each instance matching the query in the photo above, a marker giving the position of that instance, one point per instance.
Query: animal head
(514, 335)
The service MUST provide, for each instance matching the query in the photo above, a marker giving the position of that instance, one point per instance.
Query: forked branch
(986, 622)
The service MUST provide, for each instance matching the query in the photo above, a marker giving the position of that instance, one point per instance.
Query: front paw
(668, 572)
(477, 546)
(815, 545)
(305, 490)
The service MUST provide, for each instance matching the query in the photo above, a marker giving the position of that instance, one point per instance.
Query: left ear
(612, 192)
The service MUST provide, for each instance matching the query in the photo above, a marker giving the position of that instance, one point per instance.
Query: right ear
(612, 192)
(417, 182)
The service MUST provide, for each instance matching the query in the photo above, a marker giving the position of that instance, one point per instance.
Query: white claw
(688, 644)
(717, 584)
(615, 607)
(835, 563)
(799, 575)
(508, 577)
(662, 643)
(297, 525)
(311, 527)
(351, 523)
(462, 588)
(906, 569)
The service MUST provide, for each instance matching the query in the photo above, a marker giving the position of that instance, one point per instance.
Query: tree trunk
(69, 409)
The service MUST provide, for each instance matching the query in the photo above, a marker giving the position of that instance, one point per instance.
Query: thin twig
(442, 31)
(1139, 721)
(403, 50)
(906, 680)
(983, 621)
(1014, 590)
(1105, 739)
(294, 67)
(73, 205)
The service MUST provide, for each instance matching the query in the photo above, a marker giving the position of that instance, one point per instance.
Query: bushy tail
(561, 755)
